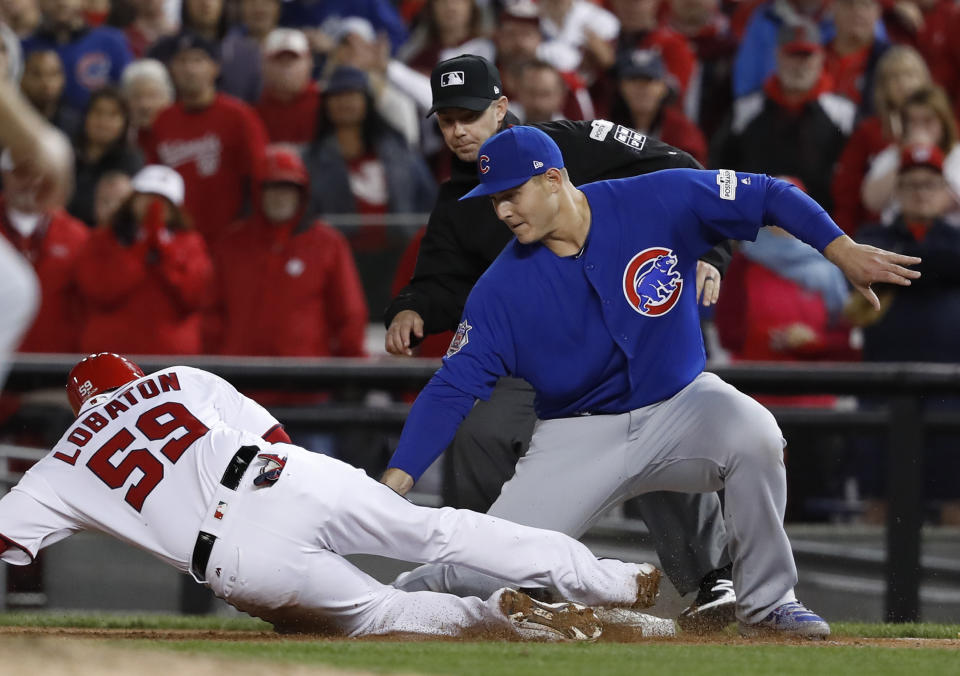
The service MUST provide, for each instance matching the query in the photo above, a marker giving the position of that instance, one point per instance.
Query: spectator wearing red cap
(213, 140)
(795, 126)
(645, 101)
(51, 241)
(901, 71)
(927, 119)
(286, 282)
(145, 276)
(921, 322)
(290, 99)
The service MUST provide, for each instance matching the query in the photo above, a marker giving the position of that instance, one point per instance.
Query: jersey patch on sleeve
(599, 129)
(727, 180)
(460, 338)
(630, 137)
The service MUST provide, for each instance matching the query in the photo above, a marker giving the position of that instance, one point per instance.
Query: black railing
(900, 387)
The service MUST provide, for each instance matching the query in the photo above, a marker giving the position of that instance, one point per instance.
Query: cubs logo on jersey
(651, 283)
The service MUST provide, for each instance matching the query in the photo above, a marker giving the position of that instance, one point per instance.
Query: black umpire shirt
(464, 238)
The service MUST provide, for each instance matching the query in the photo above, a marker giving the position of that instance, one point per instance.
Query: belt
(231, 479)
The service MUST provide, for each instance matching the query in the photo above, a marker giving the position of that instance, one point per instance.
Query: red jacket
(142, 301)
(755, 302)
(289, 291)
(53, 250)
(866, 141)
(677, 130)
(293, 121)
(219, 152)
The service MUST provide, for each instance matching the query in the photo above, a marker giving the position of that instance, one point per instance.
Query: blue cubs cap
(512, 158)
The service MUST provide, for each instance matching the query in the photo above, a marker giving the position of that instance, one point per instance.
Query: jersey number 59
(153, 429)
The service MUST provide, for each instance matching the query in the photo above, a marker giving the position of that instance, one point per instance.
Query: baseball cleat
(648, 586)
(641, 623)
(789, 619)
(715, 605)
(535, 620)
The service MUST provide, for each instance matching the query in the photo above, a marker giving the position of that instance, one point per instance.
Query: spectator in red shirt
(645, 101)
(900, 73)
(286, 282)
(852, 55)
(51, 241)
(290, 99)
(146, 276)
(213, 140)
(147, 89)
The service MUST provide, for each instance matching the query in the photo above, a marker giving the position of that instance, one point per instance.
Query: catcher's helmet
(96, 374)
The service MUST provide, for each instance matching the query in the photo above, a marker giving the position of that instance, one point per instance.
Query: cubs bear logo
(650, 283)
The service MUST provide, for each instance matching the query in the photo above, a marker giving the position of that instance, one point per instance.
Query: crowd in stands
(214, 139)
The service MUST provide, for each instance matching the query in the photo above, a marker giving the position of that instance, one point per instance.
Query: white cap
(286, 40)
(6, 161)
(355, 25)
(156, 179)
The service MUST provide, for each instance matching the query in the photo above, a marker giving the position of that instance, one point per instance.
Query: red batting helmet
(96, 374)
(283, 165)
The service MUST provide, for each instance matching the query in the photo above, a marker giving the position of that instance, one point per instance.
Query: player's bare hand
(708, 283)
(398, 480)
(865, 265)
(406, 322)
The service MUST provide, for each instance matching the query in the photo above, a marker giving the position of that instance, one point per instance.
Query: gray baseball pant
(706, 437)
(686, 528)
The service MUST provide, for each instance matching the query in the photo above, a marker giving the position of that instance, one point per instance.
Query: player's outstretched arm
(865, 265)
(398, 480)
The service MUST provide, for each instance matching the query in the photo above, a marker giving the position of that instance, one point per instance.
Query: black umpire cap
(465, 81)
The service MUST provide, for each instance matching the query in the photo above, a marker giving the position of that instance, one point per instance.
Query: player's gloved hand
(398, 480)
(865, 265)
(398, 334)
(708, 283)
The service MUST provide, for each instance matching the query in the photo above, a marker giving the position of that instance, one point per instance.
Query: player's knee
(760, 443)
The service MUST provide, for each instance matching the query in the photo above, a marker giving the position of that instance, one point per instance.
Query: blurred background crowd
(253, 176)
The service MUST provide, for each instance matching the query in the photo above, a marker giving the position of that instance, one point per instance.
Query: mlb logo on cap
(452, 79)
(513, 157)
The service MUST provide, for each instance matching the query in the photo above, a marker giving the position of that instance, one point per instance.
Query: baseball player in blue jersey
(592, 305)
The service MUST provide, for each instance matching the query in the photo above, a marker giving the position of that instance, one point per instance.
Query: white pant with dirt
(707, 437)
(279, 554)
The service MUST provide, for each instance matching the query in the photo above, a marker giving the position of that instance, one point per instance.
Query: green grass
(660, 658)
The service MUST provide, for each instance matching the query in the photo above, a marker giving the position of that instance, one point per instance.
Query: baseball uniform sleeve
(732, 205)
(27, 525)
(480, 353)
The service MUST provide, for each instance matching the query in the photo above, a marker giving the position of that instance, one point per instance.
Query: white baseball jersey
(139, 466)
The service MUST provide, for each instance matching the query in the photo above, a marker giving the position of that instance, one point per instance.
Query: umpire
(462, 240)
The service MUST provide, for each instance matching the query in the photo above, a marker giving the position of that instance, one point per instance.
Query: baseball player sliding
(592, 305)
(180, 464)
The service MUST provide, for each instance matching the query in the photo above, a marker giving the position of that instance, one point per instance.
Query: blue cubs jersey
(616, 327)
